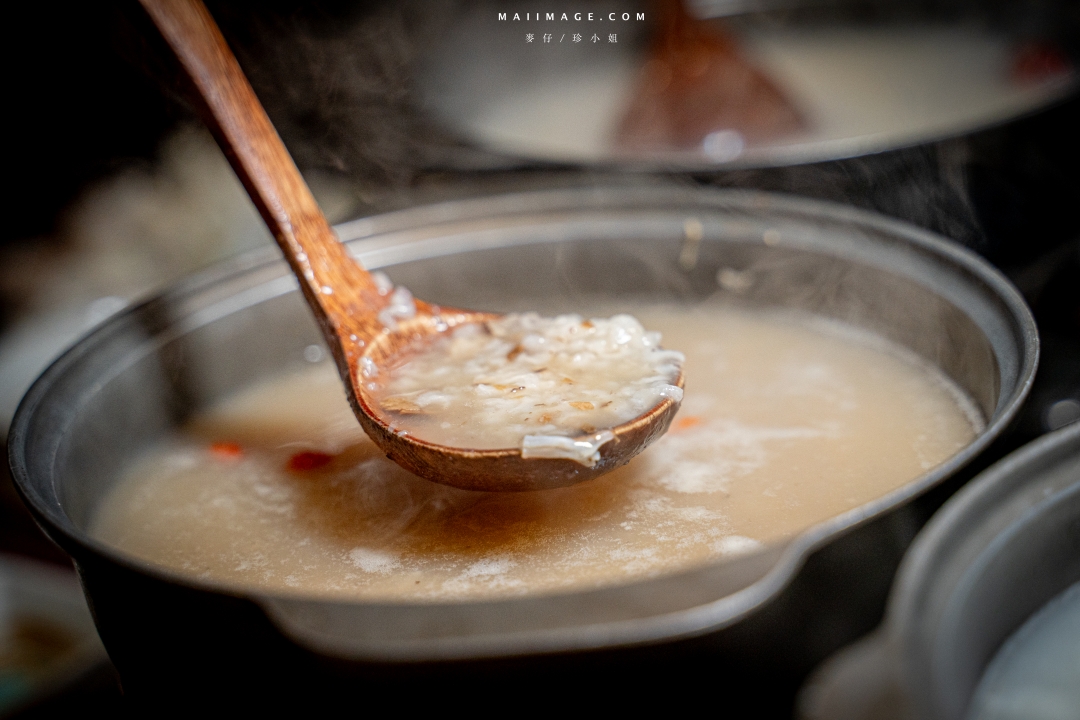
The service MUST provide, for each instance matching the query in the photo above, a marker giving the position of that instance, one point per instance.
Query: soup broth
(787, 421)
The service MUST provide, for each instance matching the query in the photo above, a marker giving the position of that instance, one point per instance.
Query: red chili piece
(308, 461)
(227, 450)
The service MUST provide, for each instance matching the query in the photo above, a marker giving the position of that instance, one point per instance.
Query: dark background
(85, 99)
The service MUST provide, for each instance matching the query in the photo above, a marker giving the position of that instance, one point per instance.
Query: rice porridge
(787, 421)
(551, 386)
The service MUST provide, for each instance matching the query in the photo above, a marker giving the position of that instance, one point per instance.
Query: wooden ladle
(345, 298)
(697, 82)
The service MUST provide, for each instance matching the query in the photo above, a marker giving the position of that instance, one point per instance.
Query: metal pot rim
(371, 240)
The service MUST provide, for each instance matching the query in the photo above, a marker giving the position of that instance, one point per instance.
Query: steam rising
(340, 89)
(346, 94)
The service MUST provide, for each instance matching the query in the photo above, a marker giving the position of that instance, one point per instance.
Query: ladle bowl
(343, 296)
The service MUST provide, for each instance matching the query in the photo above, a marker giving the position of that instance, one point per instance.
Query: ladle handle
(263, 164)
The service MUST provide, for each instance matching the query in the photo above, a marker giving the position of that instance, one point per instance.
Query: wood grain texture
(340, 292)
(343, 296)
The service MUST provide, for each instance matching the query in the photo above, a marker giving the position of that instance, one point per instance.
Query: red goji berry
(302, 461)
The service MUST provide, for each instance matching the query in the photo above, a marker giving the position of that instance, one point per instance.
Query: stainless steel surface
(143, 372)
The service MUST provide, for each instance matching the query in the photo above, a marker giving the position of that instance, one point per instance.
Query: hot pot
(993, 557)
(143, 372)
(997, 551)
(416, 93)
